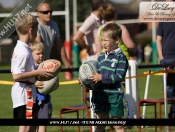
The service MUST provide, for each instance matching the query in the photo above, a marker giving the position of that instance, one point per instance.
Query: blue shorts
(45, 110)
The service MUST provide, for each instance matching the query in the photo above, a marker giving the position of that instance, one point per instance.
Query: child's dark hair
(95, 4)
(113, 30)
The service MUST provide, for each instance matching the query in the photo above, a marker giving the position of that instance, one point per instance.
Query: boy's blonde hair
(36, 46)
(24, 22)
(113, 30)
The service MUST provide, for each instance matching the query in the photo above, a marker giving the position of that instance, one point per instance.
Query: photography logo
(157, 11)
(7, 26)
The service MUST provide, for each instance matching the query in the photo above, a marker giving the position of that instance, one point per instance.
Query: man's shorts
(112, 104)
(20, 112)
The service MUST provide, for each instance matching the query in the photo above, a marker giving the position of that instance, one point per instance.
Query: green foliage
(83, 9)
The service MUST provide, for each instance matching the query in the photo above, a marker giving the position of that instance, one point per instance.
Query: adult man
(48, 34)
(166, 52)
(89, 30)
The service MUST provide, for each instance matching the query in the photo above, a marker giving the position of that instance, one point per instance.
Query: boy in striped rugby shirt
(107, 98)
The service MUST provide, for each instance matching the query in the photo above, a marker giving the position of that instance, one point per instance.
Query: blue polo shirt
(167, 31)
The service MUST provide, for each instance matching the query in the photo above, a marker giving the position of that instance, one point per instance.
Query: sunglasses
(45, 12)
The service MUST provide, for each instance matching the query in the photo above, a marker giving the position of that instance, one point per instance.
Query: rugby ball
(49, 86)
(87, 69)
(50, 65)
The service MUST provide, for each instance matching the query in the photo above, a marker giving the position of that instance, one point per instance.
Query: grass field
(70, 95)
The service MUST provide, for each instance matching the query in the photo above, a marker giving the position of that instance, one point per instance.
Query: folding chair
(76, 108)
(152, 102)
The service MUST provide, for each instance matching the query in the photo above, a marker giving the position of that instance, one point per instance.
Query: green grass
(70, 95)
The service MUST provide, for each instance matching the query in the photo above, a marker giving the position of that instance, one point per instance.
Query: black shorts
(20, 112)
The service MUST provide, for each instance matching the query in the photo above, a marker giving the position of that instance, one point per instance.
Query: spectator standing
(48, 34)
(139, 53)
(147, 53)
(86, 36)
(166, 52)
